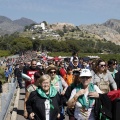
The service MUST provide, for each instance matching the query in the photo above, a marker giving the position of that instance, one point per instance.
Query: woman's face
(85, 80)
(52, 73)
(75, 63)
(102, 66)
(114, 65)
(45, 85)
(69, 71)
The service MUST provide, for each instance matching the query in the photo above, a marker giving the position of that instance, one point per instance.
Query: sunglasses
(51, 72)
(102, 65)
(115, 64)
(85, 77)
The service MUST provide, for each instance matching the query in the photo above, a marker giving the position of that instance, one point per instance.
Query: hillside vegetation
(60, 37)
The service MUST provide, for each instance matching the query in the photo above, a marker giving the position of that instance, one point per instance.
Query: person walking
(6, 73)
(18, 75)
(83, 97)
(44, 103)
(102, 77)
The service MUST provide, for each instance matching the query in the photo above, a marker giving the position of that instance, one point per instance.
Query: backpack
(103, 85)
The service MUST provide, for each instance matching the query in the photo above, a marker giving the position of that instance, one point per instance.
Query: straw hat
(50, 67)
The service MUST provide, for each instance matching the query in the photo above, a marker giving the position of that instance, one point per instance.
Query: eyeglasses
(51, 72)
(85, 77)
(45, 83)
(102, 65)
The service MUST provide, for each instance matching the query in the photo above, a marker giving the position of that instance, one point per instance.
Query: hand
(63, 92)
(58, 116)
(93, 94)
(32, 116)
(81, 92)
(25, 114)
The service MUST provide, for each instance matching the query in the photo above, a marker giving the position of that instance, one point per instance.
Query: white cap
(38, 63)
(85, 72)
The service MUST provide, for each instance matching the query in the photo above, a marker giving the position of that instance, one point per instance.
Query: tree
(21, 44)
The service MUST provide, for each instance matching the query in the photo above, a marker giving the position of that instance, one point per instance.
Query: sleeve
(29, 102)
(64, 84)
(59, 101)
(112, 81)
(97, 89)
(16, 72)
(72, 94)
(25, 70)
(66, 96)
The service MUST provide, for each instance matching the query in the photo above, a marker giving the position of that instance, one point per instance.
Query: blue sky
(76, 12)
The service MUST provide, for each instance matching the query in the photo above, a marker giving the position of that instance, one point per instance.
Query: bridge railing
(6, 98)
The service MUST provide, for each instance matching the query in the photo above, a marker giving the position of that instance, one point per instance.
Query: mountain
(24, 21)
(110, 30)
(113, 24)
(7, 26)
(4, 19)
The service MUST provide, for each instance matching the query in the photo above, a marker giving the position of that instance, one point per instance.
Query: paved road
(21, 106)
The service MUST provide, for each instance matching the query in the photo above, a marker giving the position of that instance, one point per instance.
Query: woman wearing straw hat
(58, 82)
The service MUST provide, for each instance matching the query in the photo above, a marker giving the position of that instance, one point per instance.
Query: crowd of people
(76, 87)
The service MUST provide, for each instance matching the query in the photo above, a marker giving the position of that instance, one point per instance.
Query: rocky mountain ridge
(7, 26)
(109, 30)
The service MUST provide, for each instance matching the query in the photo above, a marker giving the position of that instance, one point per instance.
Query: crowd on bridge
(78, 87)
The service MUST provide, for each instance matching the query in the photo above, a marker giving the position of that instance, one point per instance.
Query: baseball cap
(85, 72)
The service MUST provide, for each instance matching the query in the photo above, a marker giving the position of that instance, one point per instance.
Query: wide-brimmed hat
(85, 73)
(50, 67)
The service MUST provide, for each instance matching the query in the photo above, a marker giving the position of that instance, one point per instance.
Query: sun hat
(50, 67)
(85, 72)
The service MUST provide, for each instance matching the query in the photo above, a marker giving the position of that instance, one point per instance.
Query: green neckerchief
(55, 80)
(82, 99)
(113, 73)
(52, 93)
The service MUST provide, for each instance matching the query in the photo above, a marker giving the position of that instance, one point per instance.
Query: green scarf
(52, 94)
(113, 73)
(55, 80)
(82, 99)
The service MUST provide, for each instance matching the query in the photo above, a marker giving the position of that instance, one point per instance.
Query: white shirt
(78, 114)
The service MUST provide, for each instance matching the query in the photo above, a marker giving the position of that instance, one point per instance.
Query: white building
(41, 25)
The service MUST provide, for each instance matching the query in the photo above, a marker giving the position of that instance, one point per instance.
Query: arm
(25, 100)
(66, 96)
(29, 104)
(74, 96)
(112, 81)
(65, 85)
